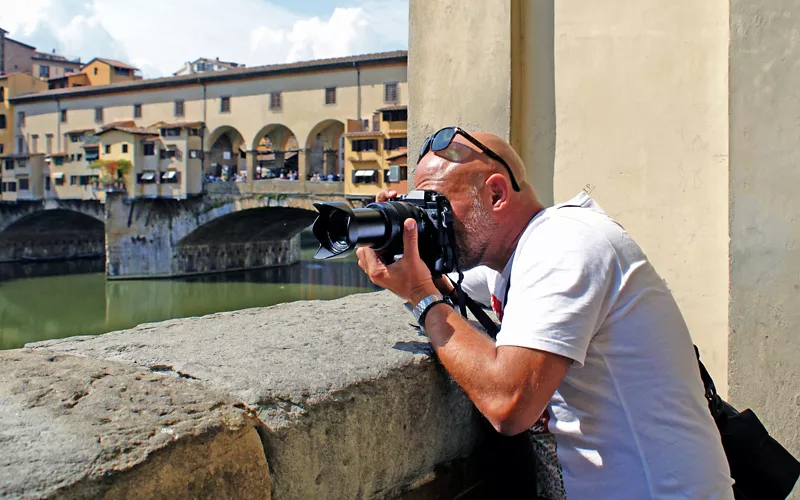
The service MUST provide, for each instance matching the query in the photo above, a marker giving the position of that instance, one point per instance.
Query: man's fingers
(410, 239)
(386, 195)
(368, 260)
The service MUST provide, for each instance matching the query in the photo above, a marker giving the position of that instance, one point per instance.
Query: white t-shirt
(629, 419)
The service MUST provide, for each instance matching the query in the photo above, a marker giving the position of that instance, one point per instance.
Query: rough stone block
(352, 401)
(74, 427)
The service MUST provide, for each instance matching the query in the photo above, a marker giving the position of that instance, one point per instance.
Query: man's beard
(473, 235)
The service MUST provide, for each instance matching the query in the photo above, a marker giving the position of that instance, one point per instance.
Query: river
(40, 301)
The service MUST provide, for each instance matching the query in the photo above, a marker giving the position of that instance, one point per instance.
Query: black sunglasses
(442, 139)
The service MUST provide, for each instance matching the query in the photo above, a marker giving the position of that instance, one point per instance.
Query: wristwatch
(425, 305)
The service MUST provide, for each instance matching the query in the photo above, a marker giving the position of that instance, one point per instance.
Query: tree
(112, 171)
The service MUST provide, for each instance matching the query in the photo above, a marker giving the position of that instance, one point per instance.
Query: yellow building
(375, 153)
(12, 85)
(291, 115)
(98, 71)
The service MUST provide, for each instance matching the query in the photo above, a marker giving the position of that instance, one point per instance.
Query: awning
(58, 175)
(148, 176)
(365, 173)
(169, 174)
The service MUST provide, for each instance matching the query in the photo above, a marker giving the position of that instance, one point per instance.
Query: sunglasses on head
(443, 138)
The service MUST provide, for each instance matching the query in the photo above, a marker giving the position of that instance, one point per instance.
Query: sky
(159, 36)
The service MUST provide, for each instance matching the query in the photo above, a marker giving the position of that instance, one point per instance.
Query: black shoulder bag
(761, 467)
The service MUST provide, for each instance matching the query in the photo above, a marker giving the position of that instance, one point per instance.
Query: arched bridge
(51, 229)
(212, 233)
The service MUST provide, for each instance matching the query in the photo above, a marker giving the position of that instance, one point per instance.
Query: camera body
(340, 229)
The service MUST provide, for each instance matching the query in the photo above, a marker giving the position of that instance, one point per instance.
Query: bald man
(593, 359)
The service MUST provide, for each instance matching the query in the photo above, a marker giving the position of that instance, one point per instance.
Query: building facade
(47, 66)
(204, 65)
(376, 152)
(296, 110)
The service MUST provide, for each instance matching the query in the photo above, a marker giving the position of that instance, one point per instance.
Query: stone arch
(262, 233)
(323, 146)
(276, 148)
(55, 233)
(226, 153)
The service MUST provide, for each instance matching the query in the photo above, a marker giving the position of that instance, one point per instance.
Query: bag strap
(714, 400)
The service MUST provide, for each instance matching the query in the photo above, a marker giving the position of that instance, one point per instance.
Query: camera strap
(466, 302)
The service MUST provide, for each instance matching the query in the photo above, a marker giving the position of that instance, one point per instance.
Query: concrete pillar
(302, 168)
(252, 162)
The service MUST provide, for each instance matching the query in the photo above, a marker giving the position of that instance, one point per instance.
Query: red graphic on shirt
(497, 307)
(541, 425)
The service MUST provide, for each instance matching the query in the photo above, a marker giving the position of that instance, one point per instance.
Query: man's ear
(499, 190)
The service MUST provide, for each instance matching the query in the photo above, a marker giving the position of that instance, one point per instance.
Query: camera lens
(338, 231)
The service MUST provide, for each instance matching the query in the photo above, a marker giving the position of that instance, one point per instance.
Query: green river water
(40, 301)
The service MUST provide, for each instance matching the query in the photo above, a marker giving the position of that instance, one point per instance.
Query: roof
(396, 157)
(397, 107)
(19, 43)
(111, 62)
(55, 155)
(364, 133)
(399, 56)
(129, 130)
(79, 131)
(42, 56)
(178, 124)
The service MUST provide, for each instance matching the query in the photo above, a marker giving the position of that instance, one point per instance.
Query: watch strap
(425, 305)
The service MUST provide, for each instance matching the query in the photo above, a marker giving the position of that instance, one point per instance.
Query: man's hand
(386, 195)
(408, 277)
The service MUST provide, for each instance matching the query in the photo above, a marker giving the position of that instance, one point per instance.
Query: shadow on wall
(533, 94)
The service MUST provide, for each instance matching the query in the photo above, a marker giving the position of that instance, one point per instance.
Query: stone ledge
(351, 401)
(80, 428)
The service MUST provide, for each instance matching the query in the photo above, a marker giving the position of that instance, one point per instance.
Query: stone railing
(321, 399)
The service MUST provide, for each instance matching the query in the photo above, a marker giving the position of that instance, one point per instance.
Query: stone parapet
(345, 395)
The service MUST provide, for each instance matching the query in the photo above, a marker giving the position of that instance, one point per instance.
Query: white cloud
(159, 36)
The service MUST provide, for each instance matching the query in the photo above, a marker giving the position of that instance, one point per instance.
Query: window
(63, 116)
(193, 131)
(95, 70)
(34, 144)
(170, 177)
(330, 95)
(108, 149)
(12, 187)
(399, 174)
(72, 157)
(376, 122)
(365, 145)
(171, 132)
(92, 154)
(390, 93)
(75, 137)
(149, 149)
(2, 93)
(48, 144)
(124, 148)
(98, 113)
(169, 153)
(58, 179)
(2, 120)
(225, 105)
(78, 157)
(44, 71)
(20, 118)
(137, 110)
(58, 160)
(9, 164)
(2, 148)
(179, 108)
(395, 115)
(73, 180)
(47, 183)
(146, 177)
(365, 176)
(122, 71)
(395, 143)
(2, 187)
(24, 184)
(275, 101)
(195, 153)
(20, 144)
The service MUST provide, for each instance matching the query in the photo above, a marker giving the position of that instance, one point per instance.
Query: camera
(340, 229)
